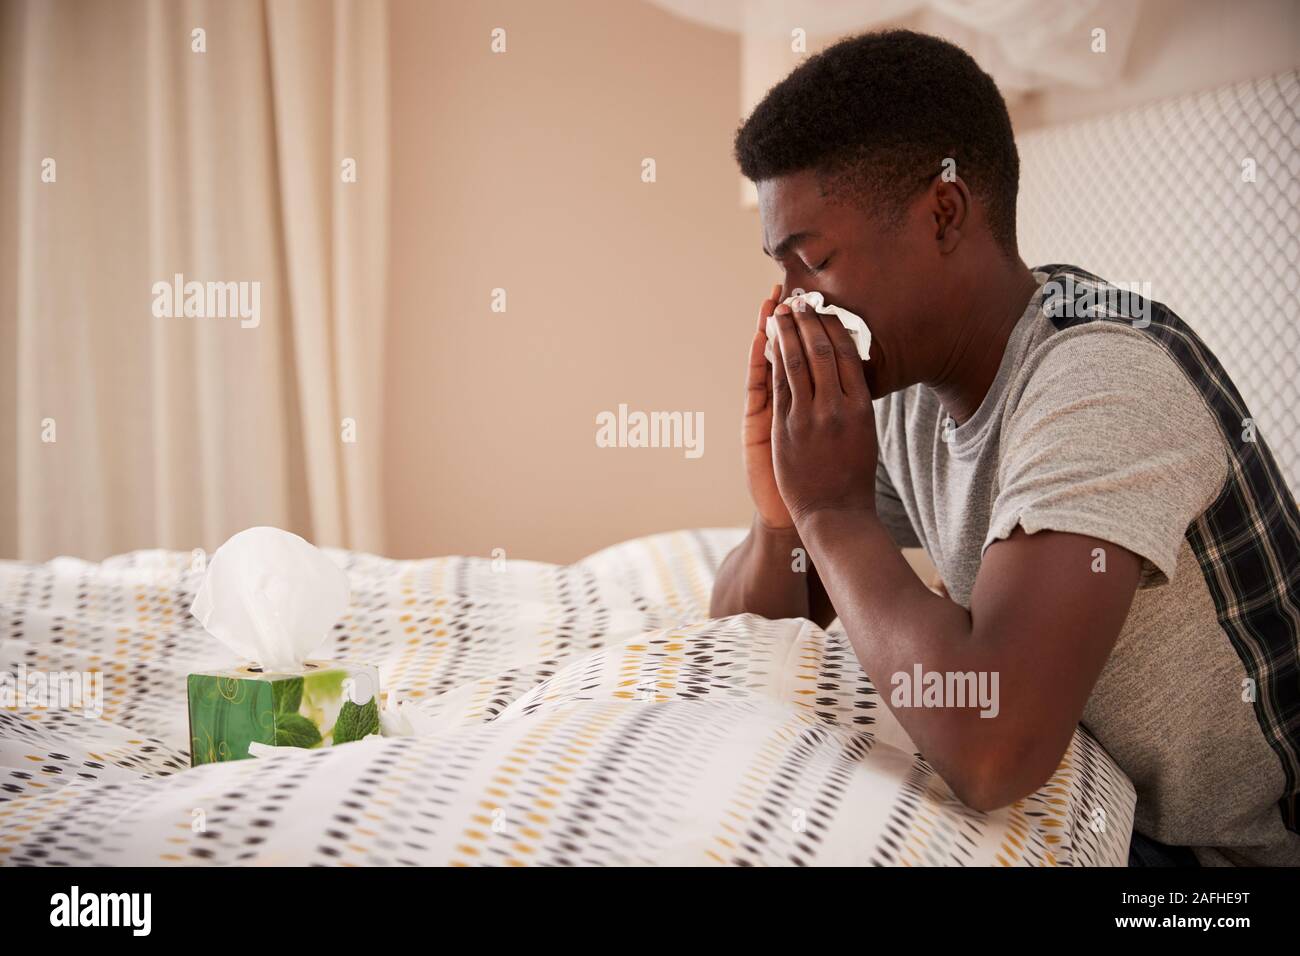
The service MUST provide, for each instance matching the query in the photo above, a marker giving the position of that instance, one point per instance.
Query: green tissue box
(328, 702)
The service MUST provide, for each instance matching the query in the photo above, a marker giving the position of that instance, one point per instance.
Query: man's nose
(788, 289)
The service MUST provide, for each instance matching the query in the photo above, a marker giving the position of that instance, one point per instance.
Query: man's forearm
(894, 623)
(1042, 624)
(876, 590)
(760, 576)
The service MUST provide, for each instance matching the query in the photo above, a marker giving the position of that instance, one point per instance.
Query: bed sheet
(588, 713)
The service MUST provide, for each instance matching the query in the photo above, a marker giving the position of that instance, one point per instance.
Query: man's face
(892, 277)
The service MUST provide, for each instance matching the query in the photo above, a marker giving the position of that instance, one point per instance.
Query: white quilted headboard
(1159, 194)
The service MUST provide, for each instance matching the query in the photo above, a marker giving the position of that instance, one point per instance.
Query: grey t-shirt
(1095, 429)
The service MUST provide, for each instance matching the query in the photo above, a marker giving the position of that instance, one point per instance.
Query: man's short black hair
(876, 115)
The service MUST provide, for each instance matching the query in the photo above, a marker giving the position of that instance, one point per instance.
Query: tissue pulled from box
(271, 597)
(858, 330)
(403, 718)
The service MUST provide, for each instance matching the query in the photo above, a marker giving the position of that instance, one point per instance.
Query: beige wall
(522, 171)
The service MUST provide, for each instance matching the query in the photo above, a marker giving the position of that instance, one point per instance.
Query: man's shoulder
(1096, 334)
(1100, 376)
(1096, 356)
(1105, 398)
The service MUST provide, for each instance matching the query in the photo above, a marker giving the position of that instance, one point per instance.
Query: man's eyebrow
(788, 242)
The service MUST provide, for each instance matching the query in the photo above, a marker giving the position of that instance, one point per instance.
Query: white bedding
(584, 714)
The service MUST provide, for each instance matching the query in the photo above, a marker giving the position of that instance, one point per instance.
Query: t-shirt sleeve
(890, 510)
(1109, 439)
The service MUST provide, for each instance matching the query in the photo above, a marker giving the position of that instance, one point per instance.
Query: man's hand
(759, 576)
(756, 427)
(823, 426)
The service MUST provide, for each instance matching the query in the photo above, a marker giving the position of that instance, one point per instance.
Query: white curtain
(1024, 45)
(145, 139)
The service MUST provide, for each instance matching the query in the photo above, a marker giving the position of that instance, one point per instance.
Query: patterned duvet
(580, 714)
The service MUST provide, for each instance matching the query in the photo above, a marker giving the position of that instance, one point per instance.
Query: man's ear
(950, 207)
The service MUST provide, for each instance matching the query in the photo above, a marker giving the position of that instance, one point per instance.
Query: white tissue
(271, 597)
(402, 718)
(858, 330)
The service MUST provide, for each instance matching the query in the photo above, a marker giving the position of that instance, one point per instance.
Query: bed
(588, 713)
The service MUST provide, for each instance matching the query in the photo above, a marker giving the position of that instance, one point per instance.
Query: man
(1117, 544)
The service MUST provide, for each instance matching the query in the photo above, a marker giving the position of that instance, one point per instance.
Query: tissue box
(326, 703)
